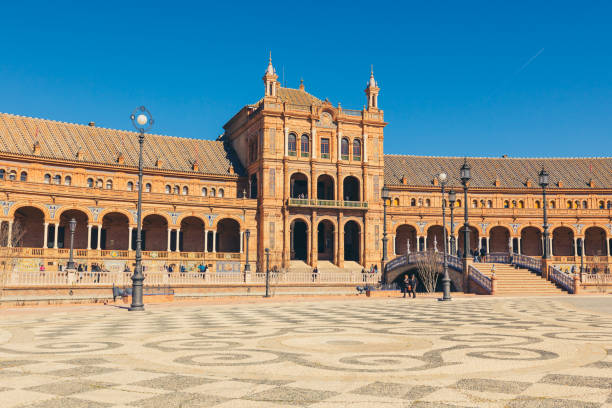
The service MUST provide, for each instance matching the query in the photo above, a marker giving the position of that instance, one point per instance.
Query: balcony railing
(307, 202)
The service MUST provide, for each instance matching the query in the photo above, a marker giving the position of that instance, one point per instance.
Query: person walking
(405, 285)
(413, 284)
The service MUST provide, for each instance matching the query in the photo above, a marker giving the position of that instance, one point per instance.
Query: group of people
(409, 285)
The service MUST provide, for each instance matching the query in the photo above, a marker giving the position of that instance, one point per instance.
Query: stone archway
(155, 233)
(595, 242)
(473, 239)
(405, 234)
(191, 238)
(80, 232)
(299, 240)
(435, 238)
(325, 187)
(563, 241)
(531, 241)
(350, 189)
(499, 240)
(115, 232)
(352, 241)
(298, 185)
(228, 235)
(32, 223)
(325, 240)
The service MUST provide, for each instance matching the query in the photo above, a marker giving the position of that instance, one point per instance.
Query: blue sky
(457, 78)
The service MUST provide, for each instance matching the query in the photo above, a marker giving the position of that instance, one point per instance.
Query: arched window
(57, 179)
(3, 172)
(489, 204)
(576, 204)
(357, 150)
(130, 186)
(213, 192)
(569, 204)
(396, 202)
(167, 189)
(514, 204)
(428, 203)
(413, 202)
(176, 190)
(13, 175)
(90, 182)
(204, 191)
(521, 204)
(609, 204)
(584, 204)
(24, 176)
(506, 204)
(109, 184)
(552, 204)
(474, 203)
(99, 183)
(538, 204)
(458, 203)
(47, 179)
(68, 181)
(305, 146)
(185, 190)
(420, 202)
(602, 205)
(221, 193)
(291, 144)
(344, 149)
(148, 188)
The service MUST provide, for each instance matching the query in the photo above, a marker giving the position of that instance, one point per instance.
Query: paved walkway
(377, 352)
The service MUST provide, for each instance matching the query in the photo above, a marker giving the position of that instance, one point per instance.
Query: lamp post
(247, 234)
(385, 197)
(142, 121)
(72, 224)
(544, 177)
(445, 280)
(452, 198)
(465, 174)
(267, 272)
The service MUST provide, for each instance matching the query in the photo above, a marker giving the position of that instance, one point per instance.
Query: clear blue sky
(457, 78)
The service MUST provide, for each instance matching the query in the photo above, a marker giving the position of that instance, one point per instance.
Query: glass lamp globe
(442, 177)
(142, 119)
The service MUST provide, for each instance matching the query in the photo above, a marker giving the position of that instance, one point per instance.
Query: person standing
(405, 285)
(413, 284)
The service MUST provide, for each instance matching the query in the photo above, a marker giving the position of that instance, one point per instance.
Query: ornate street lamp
(452, 198)
(267, 250)
(72, 224)
(465, 175)
(445, 280)
(142, 121)
(247, 234)
(544, 177)
(385, 196)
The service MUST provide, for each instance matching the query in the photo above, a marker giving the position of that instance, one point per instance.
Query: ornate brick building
(301, 175)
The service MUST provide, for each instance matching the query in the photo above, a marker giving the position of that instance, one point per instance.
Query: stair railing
(481, 279)
(527, 262)
(497, 257)
(561, 278)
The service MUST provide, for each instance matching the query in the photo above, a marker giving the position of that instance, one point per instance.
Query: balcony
(306, 202)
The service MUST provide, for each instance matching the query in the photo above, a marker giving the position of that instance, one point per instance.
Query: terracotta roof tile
(511, 172)
(296, 97)
(60, 140)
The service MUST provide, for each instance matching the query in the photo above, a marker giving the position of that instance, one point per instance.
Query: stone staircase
(518, 281)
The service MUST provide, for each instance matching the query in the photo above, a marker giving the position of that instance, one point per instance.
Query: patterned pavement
(472, 352)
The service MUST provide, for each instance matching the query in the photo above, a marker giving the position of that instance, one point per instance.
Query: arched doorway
(298, 185)
(499, 240)
(473, 239)
(435, 238)
(115, 232)
(325, 235)
(299, 240)
(405, 235)
(563, 241)
(80, 232)
(228, 235)
(350, 188)
(191, 238)
(325, 187)
(531, 241)
(32, 221)
(352, 241)
(595, 242)
(155, 233)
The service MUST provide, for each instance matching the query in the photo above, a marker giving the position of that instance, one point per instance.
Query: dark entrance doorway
(351, 241)
(299, 240)
(325, 235)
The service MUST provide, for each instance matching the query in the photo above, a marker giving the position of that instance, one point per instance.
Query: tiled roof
(511, 172)
(60, 140)
(298, 97)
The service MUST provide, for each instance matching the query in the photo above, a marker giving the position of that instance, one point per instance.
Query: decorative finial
(302, 84)
(270, 69)
(372, 70)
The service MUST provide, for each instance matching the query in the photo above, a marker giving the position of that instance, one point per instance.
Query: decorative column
(46, 236)
(287, 142)
(99, 237)
(169, 239)
(215, 241)
(9, 243)
(55, 236)
(340, 245)
(488, 245)
(339, 145)
(205, 240)
(520, 246)
(314, 248)
(130, 238)
(314, 142)
(178, 237)
(241, 241)
(393, 246)
(425, 243)
(365, 148)
(576, 246)
(88, 235)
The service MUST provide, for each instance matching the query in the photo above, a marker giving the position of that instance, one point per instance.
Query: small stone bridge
(404, 263)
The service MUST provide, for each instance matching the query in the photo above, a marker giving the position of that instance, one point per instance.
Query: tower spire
(270, 78)
(372, 90)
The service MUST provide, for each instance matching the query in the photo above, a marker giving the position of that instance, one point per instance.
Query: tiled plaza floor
(471, 352)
